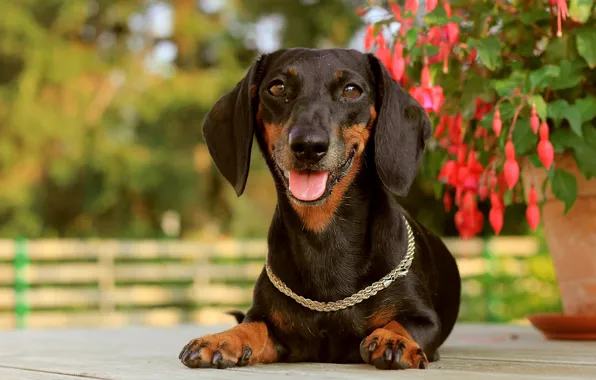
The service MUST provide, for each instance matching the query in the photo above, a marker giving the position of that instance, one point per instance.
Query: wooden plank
(137, 295)
(77, 273)
(29, 374)
(7, 249)
(513, 246)
(168, 316)
(147, 295)
(151, 353)
(140, 272)
(52, 297)
(67, 273)
(521, 246)
(222, 294)
(70, 249)
(471, 266)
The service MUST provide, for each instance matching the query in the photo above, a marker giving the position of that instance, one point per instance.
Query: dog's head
(316, 113)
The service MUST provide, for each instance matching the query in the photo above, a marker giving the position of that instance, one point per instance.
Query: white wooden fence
(75, 283)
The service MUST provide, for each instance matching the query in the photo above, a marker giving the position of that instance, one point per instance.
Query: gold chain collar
(400, 271)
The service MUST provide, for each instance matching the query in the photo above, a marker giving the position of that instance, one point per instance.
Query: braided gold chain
(400, 271)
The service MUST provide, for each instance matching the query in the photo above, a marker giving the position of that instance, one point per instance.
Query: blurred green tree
(101, 106)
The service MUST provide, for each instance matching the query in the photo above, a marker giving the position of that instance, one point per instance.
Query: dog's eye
(352, 91)
(277, 88)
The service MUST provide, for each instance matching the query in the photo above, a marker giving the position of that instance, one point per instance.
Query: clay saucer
(559, 326)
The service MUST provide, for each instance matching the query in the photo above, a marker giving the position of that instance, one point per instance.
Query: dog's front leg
(392, 347)
(248, 343)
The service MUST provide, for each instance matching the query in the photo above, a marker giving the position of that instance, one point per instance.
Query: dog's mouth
(311, 187)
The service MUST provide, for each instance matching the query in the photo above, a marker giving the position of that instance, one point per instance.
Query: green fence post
(21, 284)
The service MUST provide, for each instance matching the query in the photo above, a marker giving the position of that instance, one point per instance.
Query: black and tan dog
(341, 138)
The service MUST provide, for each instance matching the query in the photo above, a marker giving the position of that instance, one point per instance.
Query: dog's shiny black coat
(366, 236)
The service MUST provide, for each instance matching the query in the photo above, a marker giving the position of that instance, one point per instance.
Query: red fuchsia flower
(448, 173)
(532, 211)
(472, 56)
(369, 37)
(497, 124)
(495, 216)
(511, 167)
(545, 149)
(398, 64)
(396, 10)
(445, 37)
(383, 53)
(430, 5)
(360, 11)
(562, 13)
(482, 108)
(534, 120)
(444, 122)
(411, 6)
(447, 7)
(455, 130)
(425, 77)
(469, 222)
(430, 97)
(406, 23)
(447, 202)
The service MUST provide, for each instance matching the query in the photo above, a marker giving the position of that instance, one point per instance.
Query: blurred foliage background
(101, 109)
(102, 103)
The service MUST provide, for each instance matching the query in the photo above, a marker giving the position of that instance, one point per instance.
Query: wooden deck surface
(472, 352)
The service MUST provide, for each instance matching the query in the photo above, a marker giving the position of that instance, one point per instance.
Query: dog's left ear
(401, 132)
(230, 125)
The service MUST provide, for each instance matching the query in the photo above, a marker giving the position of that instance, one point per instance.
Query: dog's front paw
(245, 344)
(387, 350)
(215, 351)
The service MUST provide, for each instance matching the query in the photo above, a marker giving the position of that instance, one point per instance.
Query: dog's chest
(333, 337)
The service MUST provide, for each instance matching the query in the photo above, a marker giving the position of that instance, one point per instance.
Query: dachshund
(350, 276)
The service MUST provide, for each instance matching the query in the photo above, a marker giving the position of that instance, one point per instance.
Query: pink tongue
(308, 185)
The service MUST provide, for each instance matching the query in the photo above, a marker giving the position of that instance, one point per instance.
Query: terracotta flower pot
(571, 238)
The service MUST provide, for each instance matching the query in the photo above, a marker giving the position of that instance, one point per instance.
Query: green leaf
(535, 160)
(505, 87)
(432, 50)
(570, 75)
(586, 45)
(579, 10)
(586, 107)
(437, 17)
(411, 37)
(575, 119)
(556, 110)
(563, 139)
(489, 51)
(560, 109)
(531, 17)
(564, 187)
(508, 198)
(585, 152)
(542, 77)
(540, 106)
(524, 139)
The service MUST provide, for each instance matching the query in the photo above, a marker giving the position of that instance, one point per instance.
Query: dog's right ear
(230, 125)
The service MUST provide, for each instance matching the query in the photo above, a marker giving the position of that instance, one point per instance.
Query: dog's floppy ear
(401, 132)
(230, 125)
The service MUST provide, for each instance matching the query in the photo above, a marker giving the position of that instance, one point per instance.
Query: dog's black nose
(309, 145)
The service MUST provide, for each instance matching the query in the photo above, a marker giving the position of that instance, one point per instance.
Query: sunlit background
(111, 211)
